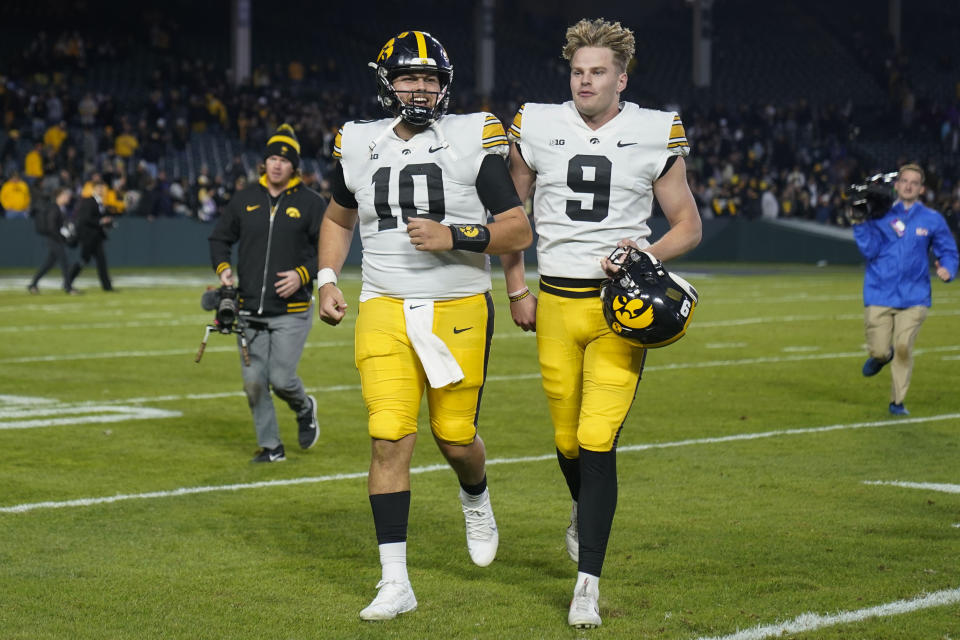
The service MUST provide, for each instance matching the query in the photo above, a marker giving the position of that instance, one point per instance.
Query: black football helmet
(645, 304)
(417, 52)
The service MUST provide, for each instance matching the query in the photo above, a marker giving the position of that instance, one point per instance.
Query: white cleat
(584, 608)
(393, 599)
(573, 535)
(482, 536)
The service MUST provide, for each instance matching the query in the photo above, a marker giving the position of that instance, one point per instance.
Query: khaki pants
(886, 327)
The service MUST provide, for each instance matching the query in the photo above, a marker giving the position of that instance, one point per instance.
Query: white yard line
(345, 343)
(21, 508)
(814, 621)
(928, 486)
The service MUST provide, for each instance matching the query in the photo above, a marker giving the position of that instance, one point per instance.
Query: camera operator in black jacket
(92, 221)
(274, 223)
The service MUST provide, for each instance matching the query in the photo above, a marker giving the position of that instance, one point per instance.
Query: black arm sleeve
(339, 191)
(495, 187)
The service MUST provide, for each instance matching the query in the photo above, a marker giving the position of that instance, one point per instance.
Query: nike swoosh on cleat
(455, 330)
(621, 143)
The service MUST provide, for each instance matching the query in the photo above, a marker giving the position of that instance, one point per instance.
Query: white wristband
(326, 276)
(518, 292)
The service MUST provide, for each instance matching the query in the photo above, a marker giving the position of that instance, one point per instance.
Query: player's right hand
(332, 306)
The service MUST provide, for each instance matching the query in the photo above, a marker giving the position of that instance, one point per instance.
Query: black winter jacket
(269, 240)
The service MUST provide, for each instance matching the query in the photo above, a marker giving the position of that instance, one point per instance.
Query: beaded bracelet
(517, 297)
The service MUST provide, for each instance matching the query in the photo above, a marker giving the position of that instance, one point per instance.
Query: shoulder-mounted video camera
(226, 320)
(872, 198)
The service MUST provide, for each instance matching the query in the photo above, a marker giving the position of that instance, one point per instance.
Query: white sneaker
(482, 536)
(573, 535)
(393, 599)
(584, 609)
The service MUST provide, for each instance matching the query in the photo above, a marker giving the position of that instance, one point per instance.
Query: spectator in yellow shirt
(126, 144)
(15, 197)
(33, 164)
(55, 136)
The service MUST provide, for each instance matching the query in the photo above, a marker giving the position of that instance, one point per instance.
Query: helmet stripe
(421, 44)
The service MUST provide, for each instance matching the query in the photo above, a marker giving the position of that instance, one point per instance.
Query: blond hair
(600, 33)
(912, 167)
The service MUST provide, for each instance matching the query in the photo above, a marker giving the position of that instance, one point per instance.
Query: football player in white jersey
(421, 185)
(597, 164)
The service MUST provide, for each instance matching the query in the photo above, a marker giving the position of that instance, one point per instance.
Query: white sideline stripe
(928, 486)
(313, 345)
(814, 621)
(83, 502)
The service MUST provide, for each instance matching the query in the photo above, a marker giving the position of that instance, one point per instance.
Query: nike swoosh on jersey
(414, 306)
(251, 207)
(435, 149)
(455, 330)
(621, 143)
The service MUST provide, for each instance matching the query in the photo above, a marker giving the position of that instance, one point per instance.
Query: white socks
(393, 562)
(593, 582)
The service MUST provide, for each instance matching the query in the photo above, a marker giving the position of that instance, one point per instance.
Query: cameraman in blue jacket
(896, 286)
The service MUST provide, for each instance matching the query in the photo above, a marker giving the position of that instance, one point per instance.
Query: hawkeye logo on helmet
(386, 51)
(631, 313)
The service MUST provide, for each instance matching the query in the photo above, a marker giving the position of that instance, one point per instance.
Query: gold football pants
(590, 374)
(393, 380)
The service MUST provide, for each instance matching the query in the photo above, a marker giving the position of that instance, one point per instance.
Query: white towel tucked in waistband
(438, 363)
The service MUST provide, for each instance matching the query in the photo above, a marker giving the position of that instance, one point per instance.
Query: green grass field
(757, 473)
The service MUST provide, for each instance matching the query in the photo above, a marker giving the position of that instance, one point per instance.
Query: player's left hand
(288, 283)
(427, 235)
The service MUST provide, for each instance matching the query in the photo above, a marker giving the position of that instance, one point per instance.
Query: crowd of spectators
(749, 160)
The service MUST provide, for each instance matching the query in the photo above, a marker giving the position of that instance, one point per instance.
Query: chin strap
(383, 134)
(443, 141)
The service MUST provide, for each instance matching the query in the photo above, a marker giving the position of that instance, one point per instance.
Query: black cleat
(270, 455)
(309, 429)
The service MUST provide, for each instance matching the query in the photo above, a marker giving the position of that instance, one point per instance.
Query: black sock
(597, 504)
(475, 489)
(391, 512)
(571, 473)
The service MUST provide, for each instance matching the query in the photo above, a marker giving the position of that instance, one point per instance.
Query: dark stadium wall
(139, 242)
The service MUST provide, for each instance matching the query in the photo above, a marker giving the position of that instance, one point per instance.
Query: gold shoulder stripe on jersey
(338, 140)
